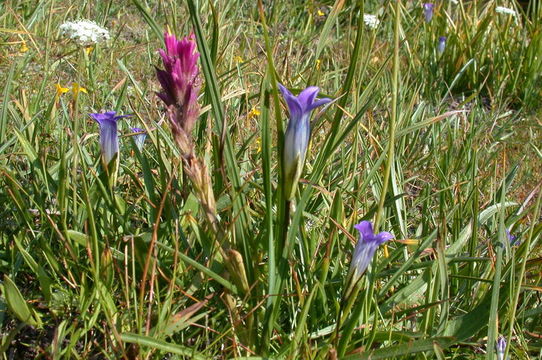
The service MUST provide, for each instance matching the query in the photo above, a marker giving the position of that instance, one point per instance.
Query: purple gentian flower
(501, 347)
(366, 247)
(139, 138)
(297, 135)
(180, 82)
(512, 238)
(109, 138)
(428, 11)
(441, 44)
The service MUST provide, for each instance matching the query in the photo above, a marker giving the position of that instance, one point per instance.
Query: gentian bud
(501, 347)
(428, 11)
(441, 44)
(139, 138)
(514, 241)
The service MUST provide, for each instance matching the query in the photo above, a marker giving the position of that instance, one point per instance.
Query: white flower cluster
(84, 32)
(371, 21)
(505, 10)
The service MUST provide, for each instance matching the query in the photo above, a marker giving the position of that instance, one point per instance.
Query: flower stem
(274, 305)
(393, 119)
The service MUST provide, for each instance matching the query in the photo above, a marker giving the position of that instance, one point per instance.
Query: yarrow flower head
(180, 86)
(371, 21)
(428, 11)
(139, 137)
(366, 247)
(441, 44)
(109, 139)
(84, 32)
(505, 10)
(296, 138)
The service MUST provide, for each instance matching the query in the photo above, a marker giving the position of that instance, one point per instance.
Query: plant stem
(393, 119)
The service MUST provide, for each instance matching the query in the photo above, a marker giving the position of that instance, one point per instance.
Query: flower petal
(318, 103)
(383, 237)
(120, 117)
(296, 111)
(109, 139)
(365, 229)
(307, 96)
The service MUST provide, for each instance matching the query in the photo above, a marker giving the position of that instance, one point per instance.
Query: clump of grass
(441, 150)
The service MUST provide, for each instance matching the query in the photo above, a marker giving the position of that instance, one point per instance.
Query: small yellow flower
(320, 13)
(259, 145)
(60, 90)
(23, 47)
(89, 49)
(238, 59)
(76, 89)
(254, 113)
(318, 62)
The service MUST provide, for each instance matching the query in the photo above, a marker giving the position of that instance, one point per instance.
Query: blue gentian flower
(139, 138)
(296, 138)
(365, 248)
(441, 44)
(109, 138)
(511, 238)
(428, 11)
(501, 347)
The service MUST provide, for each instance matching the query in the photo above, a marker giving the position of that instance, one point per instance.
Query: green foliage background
(129, 269)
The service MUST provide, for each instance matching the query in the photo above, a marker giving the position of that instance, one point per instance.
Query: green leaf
(28, 149)
(412, 347)
(78, 237)
(18, 305)
(147, 341)
(43, 278)
(5, 102)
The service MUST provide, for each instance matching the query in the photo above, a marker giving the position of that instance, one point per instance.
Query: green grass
(442, 150)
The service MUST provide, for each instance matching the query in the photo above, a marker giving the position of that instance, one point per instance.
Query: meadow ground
(199, 242)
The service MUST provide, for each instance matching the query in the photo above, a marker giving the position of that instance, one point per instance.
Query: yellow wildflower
(88, 49)
(23, 47)
(76, 89)
(60, 90)
(318, 62)
(238, 59)
(254, 112)
(259, 145)
(320, 13)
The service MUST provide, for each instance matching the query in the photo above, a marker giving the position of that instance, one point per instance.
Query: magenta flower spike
(297, 135)
(180, 82)
(365, 248)
(109, 138)
(428, 11)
